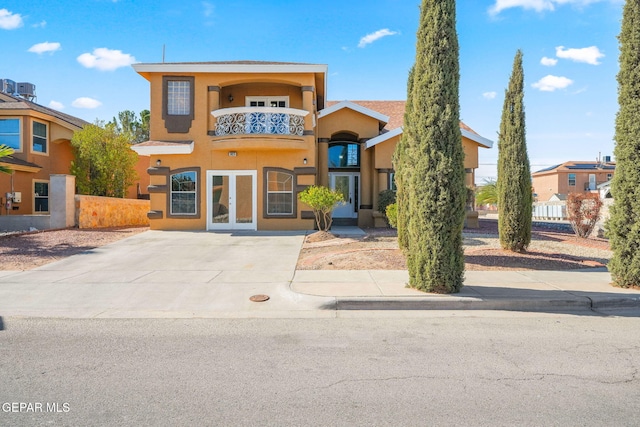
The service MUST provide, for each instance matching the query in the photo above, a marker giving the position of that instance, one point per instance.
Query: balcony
(259, 121)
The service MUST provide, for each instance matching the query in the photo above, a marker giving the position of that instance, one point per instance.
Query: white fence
(550, 210)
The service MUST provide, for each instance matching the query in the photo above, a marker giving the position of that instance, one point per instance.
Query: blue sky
(78, 54)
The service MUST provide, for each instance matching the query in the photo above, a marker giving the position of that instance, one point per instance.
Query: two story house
(41, 140)
(571, 177)
(233, 143)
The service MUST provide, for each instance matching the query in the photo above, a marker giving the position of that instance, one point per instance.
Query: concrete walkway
(199, 274)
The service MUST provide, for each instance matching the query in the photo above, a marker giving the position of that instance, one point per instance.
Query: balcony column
(213, 104)
(307, 104)
(323, 162)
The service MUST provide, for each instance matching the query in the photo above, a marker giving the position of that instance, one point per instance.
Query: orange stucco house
(233, 143)
(41, 139)
(571, 177)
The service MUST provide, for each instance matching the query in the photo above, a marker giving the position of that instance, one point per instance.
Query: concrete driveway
(168, 274)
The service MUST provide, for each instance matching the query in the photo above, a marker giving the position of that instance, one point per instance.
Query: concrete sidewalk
(483, 290)
(200, 274)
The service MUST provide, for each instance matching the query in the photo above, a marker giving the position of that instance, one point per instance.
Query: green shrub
(392, 215)
(322, 200)
(385, 198)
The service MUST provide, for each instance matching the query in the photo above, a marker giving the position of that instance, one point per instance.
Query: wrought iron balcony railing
(259, 120)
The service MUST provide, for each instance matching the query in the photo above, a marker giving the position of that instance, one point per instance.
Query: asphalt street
(435, 368)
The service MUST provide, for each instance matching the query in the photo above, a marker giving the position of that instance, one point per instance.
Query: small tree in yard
(322, 200)
(583, 210)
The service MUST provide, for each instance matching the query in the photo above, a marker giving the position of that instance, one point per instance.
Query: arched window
(344, 155)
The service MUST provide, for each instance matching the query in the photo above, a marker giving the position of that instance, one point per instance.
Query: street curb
(613, 302)
(509, 304)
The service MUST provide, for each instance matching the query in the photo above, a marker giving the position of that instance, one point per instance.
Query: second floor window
(572, 179)
(39, 137)
(268, 101)
(10, 133)
(178, 97)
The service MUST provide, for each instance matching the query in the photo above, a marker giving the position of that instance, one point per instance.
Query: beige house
(41, 139)
(571, 177)
(233, 143)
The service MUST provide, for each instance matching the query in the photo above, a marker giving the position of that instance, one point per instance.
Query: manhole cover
(259, 298)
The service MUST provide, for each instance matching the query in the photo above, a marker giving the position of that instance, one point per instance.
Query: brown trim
(307, 88)
(173, 123)
(157, 188)
(324, 140)
(366, 206)
(301, 188)
(155, 214)
(305, 171)
(213, 88)
(308, 133)
(199, 184)
(265, 183)
(163, 170)
(307, 215)
(385, 170)
(211, 133)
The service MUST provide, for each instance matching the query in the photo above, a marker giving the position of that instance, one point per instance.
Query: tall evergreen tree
(515, 199)
(432, 169)
(402, 171)
(624, 223)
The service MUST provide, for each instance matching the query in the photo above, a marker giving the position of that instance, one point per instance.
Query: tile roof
(162, 143)
(573, 166)
(18, 162)
(393, 109)
(10, 102)
(232, 63)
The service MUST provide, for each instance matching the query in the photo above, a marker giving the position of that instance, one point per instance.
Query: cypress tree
(402, 171)
(434, 192)
(624, 223)
(514, 176)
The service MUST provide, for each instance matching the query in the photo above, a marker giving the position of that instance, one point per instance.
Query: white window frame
(194, 192)
(20, 145)
(175, 108)
(569, 179)
(267, 101)
(291, 180)
(46, 138)
(35, 196)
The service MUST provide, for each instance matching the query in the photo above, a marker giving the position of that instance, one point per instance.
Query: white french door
(232, 200)
(348, 184)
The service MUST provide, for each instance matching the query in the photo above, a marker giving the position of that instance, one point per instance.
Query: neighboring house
(233, 143)
(40, 137)
(571, 177)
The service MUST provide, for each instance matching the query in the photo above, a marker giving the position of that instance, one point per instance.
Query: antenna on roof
(163, 53)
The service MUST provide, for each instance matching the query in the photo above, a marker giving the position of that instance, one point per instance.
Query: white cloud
(551, 83)
(84, 102)
(56, 105)
(589, 55)
(106, 59)
(370, 38)
(537, 5)
(208, 9)
(489, 95)
(549, 62)
(41, 48)
(40, 24)
(10, 21)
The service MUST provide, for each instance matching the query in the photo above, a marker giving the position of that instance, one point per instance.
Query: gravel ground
(24, 251)
(550, 249)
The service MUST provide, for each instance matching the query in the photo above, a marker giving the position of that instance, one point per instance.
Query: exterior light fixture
(230, 98)
(304, 160)
(158, 162)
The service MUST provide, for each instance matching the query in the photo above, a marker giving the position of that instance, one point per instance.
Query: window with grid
(178, 98)
(279, 193)
(572, 179)
(183, 193)
(10, 133)
(39, 137)
(41, 197)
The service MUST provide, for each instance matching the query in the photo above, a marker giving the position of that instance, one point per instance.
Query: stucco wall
(100, 212)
